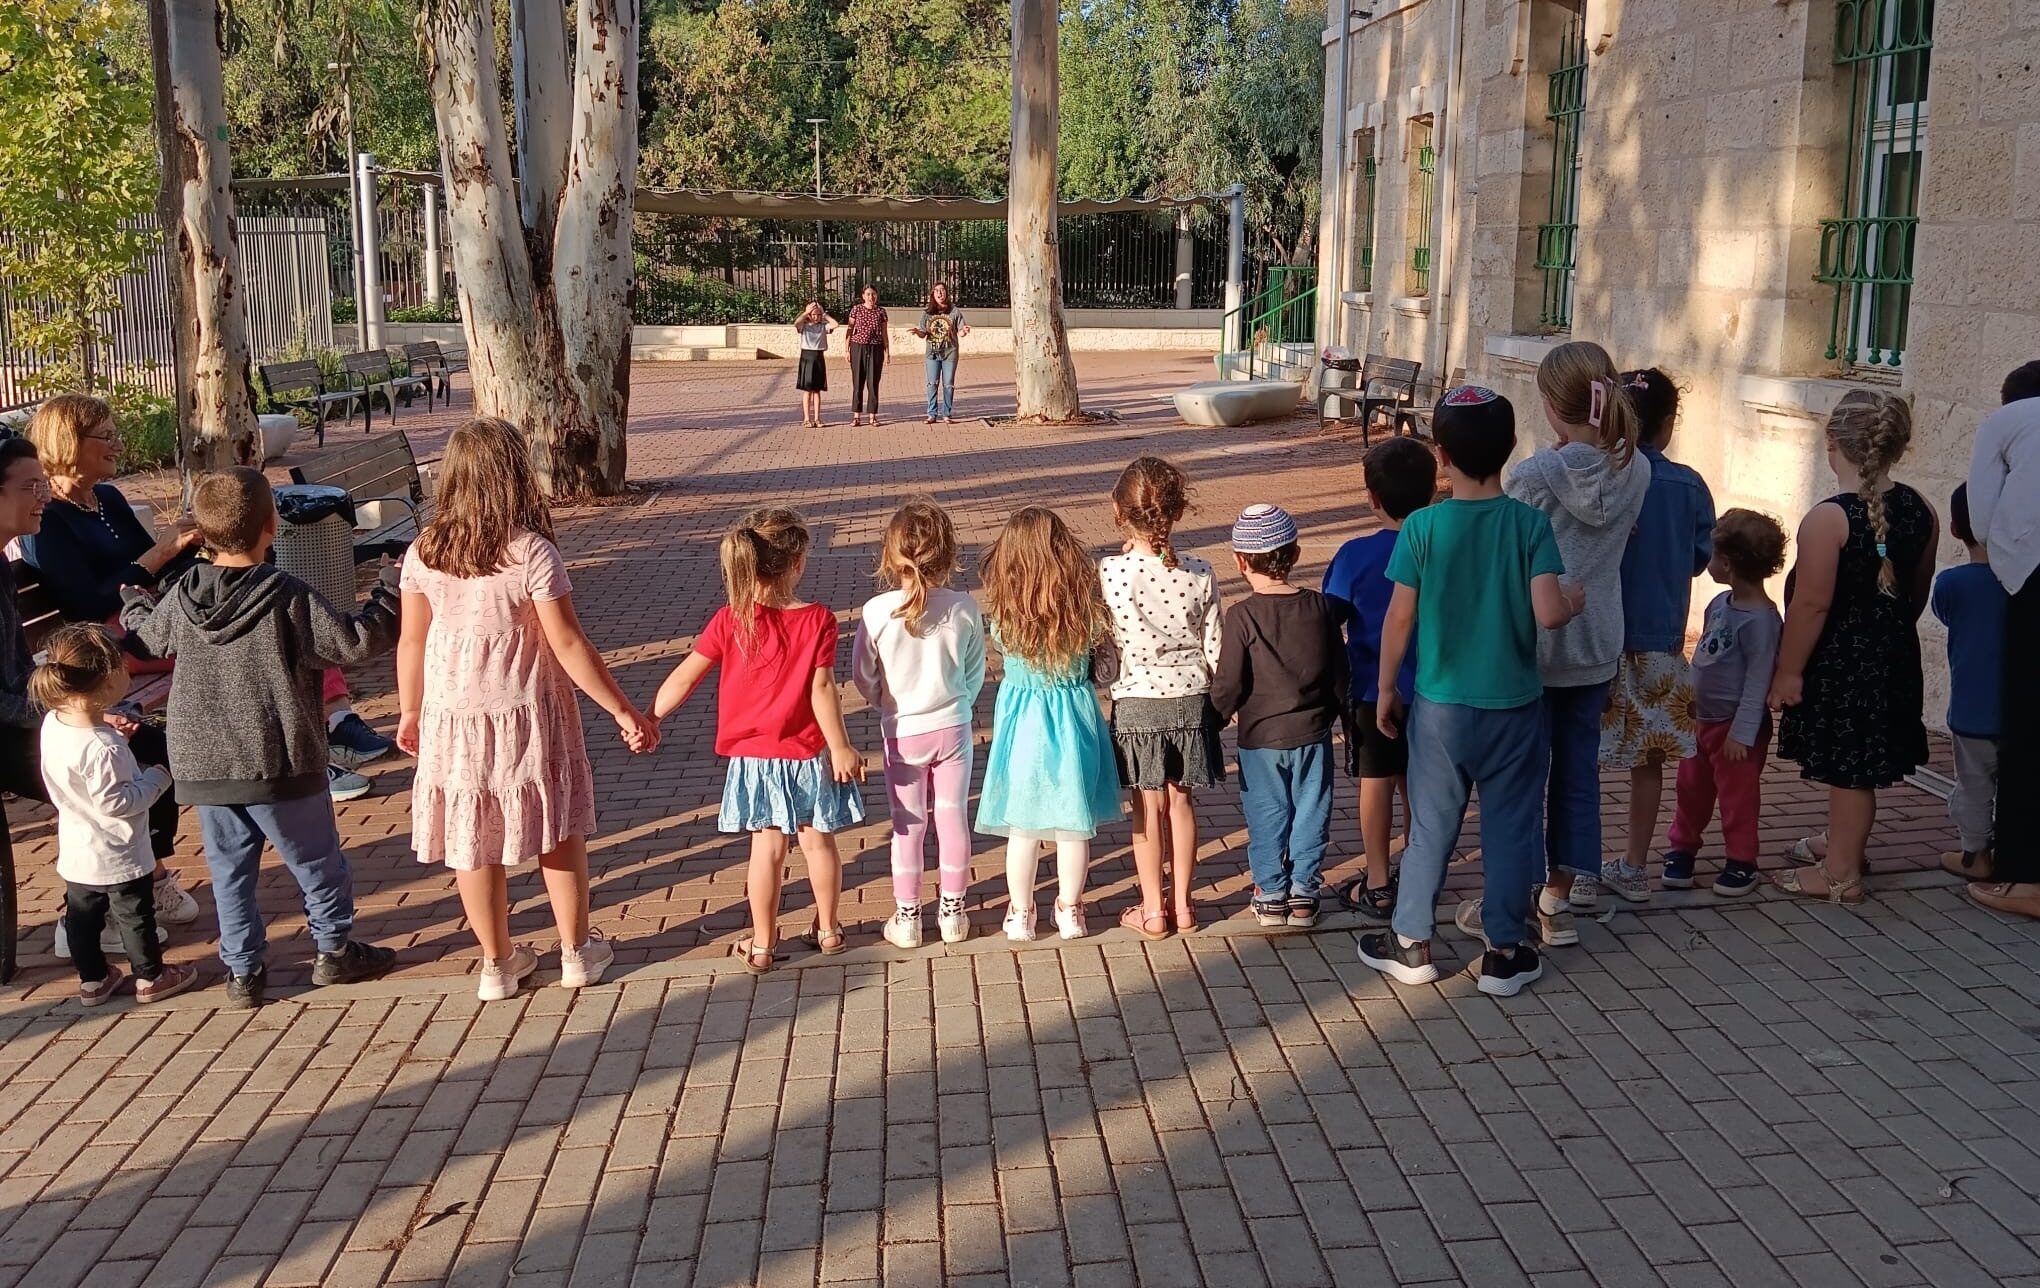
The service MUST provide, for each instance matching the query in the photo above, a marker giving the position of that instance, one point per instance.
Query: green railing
(1558, 236)
(1363, 224)
(1420, 228)
(1866, 253)
(1281, 317)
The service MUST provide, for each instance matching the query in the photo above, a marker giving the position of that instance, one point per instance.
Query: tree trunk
(539, 88)
(546, 308)
(216, 412)
(1042, 368)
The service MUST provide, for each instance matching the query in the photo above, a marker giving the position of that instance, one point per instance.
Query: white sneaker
(1554, 920)
(110, 942)
(955, 926)
(1069, 922)
(174, 903)
(1020, 924)
(580, 967)
(500, 979)
(1586, 894)
(903, 929)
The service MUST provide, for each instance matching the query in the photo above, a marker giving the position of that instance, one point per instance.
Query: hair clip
(1597, 401)
(1882, 553)
(1637, 381)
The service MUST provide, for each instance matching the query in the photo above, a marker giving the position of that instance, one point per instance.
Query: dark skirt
(1159, 741)
(814, 372)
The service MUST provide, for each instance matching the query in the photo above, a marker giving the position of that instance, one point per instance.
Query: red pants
(1709, 775)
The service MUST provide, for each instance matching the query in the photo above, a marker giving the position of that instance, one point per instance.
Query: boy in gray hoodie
(247, 728)
(1591, 484)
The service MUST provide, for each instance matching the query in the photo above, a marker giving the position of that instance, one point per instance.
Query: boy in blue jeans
(1971, 603)
(247, 726)
(1483, 569)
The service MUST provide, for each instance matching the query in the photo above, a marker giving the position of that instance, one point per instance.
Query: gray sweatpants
(1974, 799)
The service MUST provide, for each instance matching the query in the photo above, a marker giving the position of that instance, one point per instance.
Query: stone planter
(276, 433)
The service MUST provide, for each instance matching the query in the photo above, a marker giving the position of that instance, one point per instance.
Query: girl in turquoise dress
(1050, 776)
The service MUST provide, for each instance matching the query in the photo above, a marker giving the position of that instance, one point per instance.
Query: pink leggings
(917, 767)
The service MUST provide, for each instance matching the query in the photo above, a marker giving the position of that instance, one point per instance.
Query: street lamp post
(816, 123)
(346, 71)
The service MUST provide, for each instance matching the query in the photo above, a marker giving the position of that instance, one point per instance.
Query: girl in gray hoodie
(1591, 484)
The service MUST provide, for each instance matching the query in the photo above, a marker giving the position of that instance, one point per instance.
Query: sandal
(1970, 865)
(827, 943)
(1140, 922)
(1802, 851)
(1377, 903)
(1849, 892)
(757, 958)
(1184, 918)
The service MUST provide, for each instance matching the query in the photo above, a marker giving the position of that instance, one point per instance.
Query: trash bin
(315, 540)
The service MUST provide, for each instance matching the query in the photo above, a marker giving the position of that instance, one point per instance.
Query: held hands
(640, 731)
(1786, 690)
(1575, 593)
(845, 765)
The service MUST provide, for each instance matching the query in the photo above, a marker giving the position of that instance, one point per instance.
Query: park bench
(1386, 385)
(39, 619)
(382, 470)
(372, 372)
(437, 364)
(1417, 416)
(301, 386)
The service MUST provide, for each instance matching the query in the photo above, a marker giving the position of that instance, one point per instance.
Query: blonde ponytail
(919, 552)
(758, 554)
(1578, 379)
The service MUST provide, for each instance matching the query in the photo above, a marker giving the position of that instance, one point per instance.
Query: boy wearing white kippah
(1282, 671)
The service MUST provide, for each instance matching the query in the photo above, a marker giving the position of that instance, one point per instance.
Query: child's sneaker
(1736, 880)
(1554, 920)
(1678, 874)
(1270, 912)
(99, 994)
(352, 744)
(174, 903)
(502, 976)
(1404, 963)
(1069, 922)
(344, 785)
(1586, 894)
(246, 992)
(903, 928)
(1633, 884)
(1020, 924)
(173, 980)
(352, 964)
(1505, 972)
(1303, 911)
(951, 920)
(580, 967)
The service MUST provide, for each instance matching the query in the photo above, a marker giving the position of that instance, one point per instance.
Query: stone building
(1774, 200)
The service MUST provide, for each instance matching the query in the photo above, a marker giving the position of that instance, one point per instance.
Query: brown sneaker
(1970, 865)
(173, 980)
(97, 994)
(2018, 898)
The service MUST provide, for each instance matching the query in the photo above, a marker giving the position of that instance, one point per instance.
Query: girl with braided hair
(1848, 677)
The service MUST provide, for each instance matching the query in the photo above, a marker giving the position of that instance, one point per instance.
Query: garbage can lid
(302, 503)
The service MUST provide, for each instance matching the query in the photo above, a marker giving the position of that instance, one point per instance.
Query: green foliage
(444, 311)
(147, 423)
(343, 309)
(670, 297)
(75, 177)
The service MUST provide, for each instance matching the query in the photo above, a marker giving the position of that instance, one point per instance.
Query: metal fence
(283, 271)
(400, 239)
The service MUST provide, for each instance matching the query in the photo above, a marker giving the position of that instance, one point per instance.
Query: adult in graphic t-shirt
(870, 345)
(942, 325)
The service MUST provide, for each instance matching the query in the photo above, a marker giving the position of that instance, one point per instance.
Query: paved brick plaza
(1764, 1093)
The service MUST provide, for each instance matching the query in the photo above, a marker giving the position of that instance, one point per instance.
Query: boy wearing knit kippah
(1282, 671)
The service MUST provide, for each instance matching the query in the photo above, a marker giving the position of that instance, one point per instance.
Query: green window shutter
(1558, 236)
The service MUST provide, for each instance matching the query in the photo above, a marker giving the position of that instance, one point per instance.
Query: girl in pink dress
(487, 664)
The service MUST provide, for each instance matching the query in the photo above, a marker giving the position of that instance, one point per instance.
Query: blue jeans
(942, 382)
(1455, 751)
(1287, 795)
(1572, 825)
(308, 840)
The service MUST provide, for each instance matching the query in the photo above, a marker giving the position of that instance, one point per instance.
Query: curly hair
(1150, 499)
(1655, 398)
(762, 551)
(1750, 543)
(919, 552)
(1872, 429)
(1041, 592)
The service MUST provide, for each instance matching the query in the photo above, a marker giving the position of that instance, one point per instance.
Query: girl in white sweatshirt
(919, 658)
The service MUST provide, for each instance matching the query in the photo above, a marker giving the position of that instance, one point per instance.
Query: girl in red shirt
(792, 769)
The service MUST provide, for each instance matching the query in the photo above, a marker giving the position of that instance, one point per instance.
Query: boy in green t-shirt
(1481, 571)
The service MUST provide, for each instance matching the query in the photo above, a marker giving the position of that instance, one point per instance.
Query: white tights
(1023, 865)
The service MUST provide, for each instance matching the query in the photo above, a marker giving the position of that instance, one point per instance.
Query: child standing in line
(919, 659)
(778, 721)
(1049, 775)
(1165, 624)
(1848, 677)
(1731, 674)
(102, 799)
(1591, 486)
(1282, 671)
(487, 663)
(1650, 710)
(1402, 478)
(247, 726)
(1971, 603)
(1481, 571)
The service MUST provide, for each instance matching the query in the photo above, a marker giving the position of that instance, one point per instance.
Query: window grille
(1558, 236)
(1363, 212)
(1866, 254)
(1423, 194)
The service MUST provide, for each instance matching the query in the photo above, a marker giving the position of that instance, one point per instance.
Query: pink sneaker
(173, 980)
(98, 994)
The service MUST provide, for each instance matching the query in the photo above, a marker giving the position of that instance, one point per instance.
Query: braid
(1873, 430)
(1150, 497)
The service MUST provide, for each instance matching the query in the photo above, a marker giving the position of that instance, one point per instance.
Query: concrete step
(693, 353)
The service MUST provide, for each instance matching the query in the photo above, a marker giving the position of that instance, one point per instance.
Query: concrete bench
(1236, 402)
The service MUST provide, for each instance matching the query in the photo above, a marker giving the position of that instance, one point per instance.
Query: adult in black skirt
(814, 326)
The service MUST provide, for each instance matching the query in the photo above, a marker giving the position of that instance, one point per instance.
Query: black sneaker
(1678, 871)
(244, 992)
(1736, 880)
(1303, 911)
(1505, 972)
(352, 964)
(1410, 964)
(1270, 912)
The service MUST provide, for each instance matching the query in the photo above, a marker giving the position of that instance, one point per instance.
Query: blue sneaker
(352, 744)
(1736, 880)
(1678, 870)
